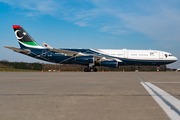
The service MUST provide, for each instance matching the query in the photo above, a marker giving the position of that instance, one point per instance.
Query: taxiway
(79, 96)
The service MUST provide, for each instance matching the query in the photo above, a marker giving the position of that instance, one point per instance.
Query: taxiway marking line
(167, 109)
(170, 106)
(171, 99)
(165, 82)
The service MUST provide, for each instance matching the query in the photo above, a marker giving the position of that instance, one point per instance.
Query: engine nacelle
(109, 63)
(85, 59)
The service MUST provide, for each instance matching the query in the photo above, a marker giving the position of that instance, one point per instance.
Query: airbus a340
(89, 57)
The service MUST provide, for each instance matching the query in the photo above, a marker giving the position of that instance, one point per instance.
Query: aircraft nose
(174, 59)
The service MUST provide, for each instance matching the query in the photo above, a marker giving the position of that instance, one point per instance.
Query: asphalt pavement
(84, 96)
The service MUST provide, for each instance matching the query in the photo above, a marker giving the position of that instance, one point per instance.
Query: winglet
(47, 46)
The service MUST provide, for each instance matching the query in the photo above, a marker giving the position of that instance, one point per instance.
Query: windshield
(170, 55)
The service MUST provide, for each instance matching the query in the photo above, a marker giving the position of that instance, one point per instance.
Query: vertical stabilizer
(24, 39)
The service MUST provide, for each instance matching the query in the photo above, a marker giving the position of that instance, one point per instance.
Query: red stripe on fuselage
(16, 26)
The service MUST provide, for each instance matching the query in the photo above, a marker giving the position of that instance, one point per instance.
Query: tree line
(73, 67)
(21, 65)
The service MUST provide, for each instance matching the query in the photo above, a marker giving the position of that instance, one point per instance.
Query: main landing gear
(90, 69)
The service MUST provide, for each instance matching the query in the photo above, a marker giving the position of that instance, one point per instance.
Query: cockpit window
(170, 55)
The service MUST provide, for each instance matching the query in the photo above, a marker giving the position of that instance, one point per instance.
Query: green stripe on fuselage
(31, 43)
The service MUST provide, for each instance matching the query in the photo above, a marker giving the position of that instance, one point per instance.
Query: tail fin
(24, 39)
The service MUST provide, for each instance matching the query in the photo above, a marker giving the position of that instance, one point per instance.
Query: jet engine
(85, 59)
(109, 63)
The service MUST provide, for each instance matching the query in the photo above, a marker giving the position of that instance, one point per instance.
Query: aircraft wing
(65, 52)
(76, 54)
(26, 51)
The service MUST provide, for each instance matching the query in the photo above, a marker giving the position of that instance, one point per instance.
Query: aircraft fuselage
(89, 57)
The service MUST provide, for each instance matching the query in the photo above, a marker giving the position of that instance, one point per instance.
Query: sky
(98, 24)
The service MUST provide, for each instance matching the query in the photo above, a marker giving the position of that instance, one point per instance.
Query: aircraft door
(125, 54)
(160, 55)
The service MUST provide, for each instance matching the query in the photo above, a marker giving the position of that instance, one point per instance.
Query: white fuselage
(138, 54)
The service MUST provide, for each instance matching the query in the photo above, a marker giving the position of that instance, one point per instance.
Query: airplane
(89, 57)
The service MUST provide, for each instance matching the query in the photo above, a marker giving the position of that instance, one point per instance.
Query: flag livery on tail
(24, 39)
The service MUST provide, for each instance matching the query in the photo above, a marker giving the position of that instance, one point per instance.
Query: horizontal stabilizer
(26, 51)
